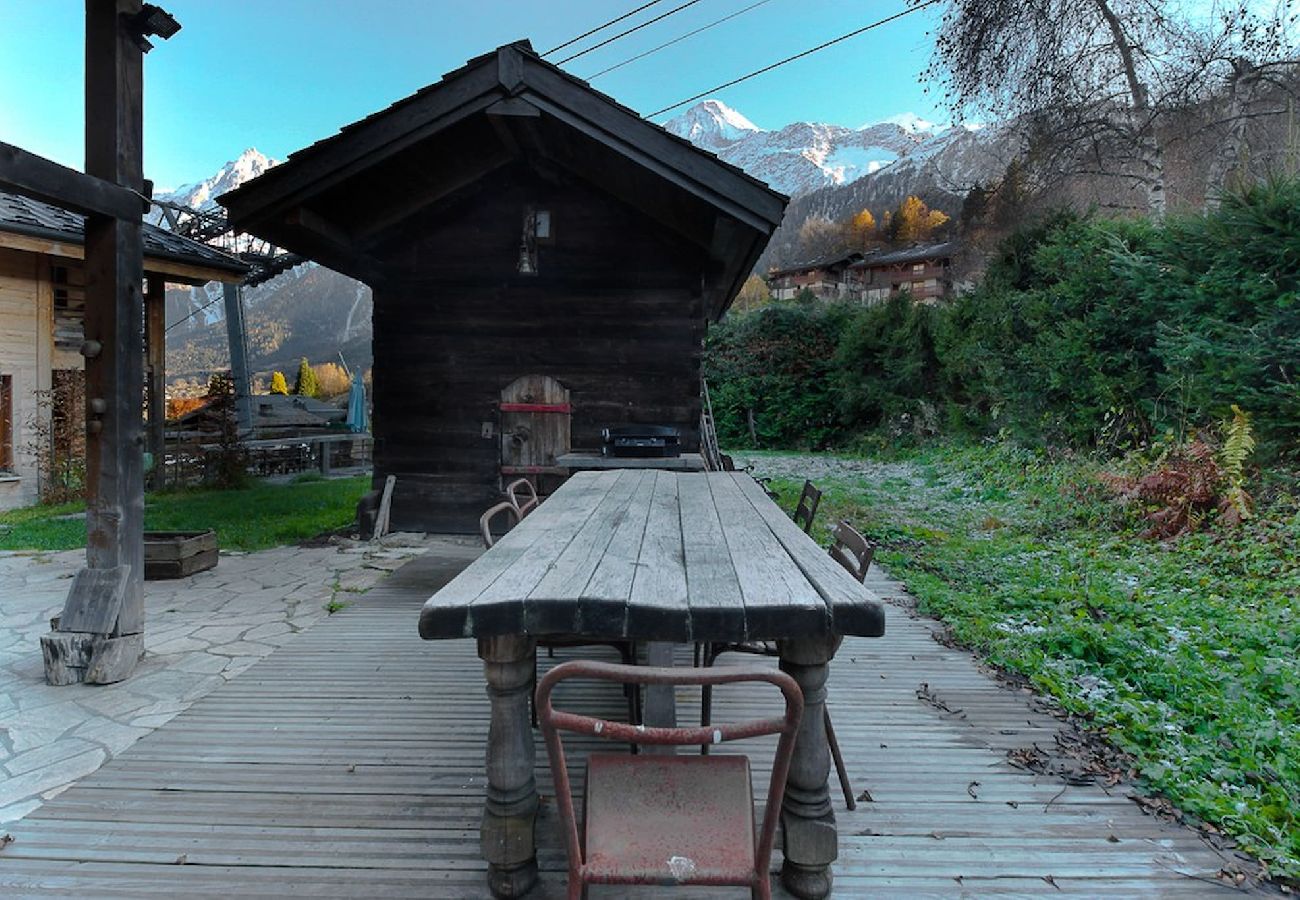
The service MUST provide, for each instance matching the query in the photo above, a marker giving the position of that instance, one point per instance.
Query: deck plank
(349, 763)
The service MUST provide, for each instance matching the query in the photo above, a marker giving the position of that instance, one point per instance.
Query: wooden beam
(182, 272)
(321, 226)
(326, 243)
(37, 177)
(420, 198)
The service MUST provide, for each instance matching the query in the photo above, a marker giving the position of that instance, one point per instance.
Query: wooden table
(653, 556)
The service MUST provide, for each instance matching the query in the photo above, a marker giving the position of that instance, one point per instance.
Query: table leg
(509, 664)
(807, 819)
(660, 700)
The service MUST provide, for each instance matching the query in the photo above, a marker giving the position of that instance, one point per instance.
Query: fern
(1238, 445)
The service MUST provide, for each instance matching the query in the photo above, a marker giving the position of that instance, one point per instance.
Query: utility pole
(235, 335)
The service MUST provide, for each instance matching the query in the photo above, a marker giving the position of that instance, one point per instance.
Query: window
(6, 423)
(918, 268)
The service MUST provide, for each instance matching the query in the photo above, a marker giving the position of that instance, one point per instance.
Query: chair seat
(669, 819)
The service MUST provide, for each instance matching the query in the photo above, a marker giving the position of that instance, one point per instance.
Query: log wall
(614, 313)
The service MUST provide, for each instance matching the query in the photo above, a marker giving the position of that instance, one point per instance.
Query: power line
(623, 34)
(790, 59)
(193, 314)
(602, 27)
(677, 39)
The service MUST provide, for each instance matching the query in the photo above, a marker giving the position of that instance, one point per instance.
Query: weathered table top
(659, 556)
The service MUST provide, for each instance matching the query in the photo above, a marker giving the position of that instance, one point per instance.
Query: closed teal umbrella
(356, 405)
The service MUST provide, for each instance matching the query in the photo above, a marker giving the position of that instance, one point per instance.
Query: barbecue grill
(644, 441)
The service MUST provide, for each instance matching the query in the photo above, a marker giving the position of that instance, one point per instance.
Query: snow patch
(911, 123)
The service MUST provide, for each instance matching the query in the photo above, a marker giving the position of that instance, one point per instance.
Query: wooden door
(535, 420)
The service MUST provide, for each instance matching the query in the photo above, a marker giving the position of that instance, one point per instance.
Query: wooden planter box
(176, 554)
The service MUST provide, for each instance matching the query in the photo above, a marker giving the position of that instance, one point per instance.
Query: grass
(252, 518)
(1186, 653)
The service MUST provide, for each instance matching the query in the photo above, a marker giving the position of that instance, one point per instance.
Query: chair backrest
(804, 512)
(851, 550)
(485, 520)
(554, 721)
(523, 496)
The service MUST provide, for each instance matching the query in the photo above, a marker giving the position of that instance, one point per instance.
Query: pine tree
(306, 384)
(278, 383)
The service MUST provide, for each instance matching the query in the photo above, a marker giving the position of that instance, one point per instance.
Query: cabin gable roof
(337, 200)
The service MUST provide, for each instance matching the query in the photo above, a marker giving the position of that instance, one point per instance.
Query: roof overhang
(175, 268)
(518, 107)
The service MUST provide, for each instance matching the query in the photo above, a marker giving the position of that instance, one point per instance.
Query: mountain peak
(711, 124)
(202, 195)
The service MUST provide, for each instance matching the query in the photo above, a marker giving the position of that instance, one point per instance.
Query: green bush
(1084, 332)
(887, 367)
(1228, 285)
(1053, 346)
(775, 367)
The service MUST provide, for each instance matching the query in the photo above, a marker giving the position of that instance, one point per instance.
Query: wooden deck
(348, 764)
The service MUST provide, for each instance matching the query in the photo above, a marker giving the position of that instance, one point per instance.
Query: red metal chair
(668, 820)
(522, 487)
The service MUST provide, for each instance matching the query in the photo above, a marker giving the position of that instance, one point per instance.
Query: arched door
(535, 421)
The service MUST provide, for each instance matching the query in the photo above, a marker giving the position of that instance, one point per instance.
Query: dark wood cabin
(544, 264)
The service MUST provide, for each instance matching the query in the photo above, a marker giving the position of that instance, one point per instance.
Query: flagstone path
(200, 632)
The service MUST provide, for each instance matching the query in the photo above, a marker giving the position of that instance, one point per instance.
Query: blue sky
(280, 74)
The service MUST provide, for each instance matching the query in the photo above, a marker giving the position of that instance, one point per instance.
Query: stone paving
(200, 632)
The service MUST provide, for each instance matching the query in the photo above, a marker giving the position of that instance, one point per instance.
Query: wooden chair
(809, 499)
(668, 820)
(523, 487)
(852, 551)
(626, 649)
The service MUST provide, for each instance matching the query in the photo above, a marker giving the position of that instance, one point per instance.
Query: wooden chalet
(825, 278)
(544, 264)
(923, 270)
(42, 322)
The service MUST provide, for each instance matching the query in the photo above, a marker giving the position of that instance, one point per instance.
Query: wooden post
(807, 819)
(155, 338)
(100, 634)
(508, 842)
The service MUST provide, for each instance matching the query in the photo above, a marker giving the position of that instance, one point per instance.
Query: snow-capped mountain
(202, 194)
(712, 124)
(803, 156)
